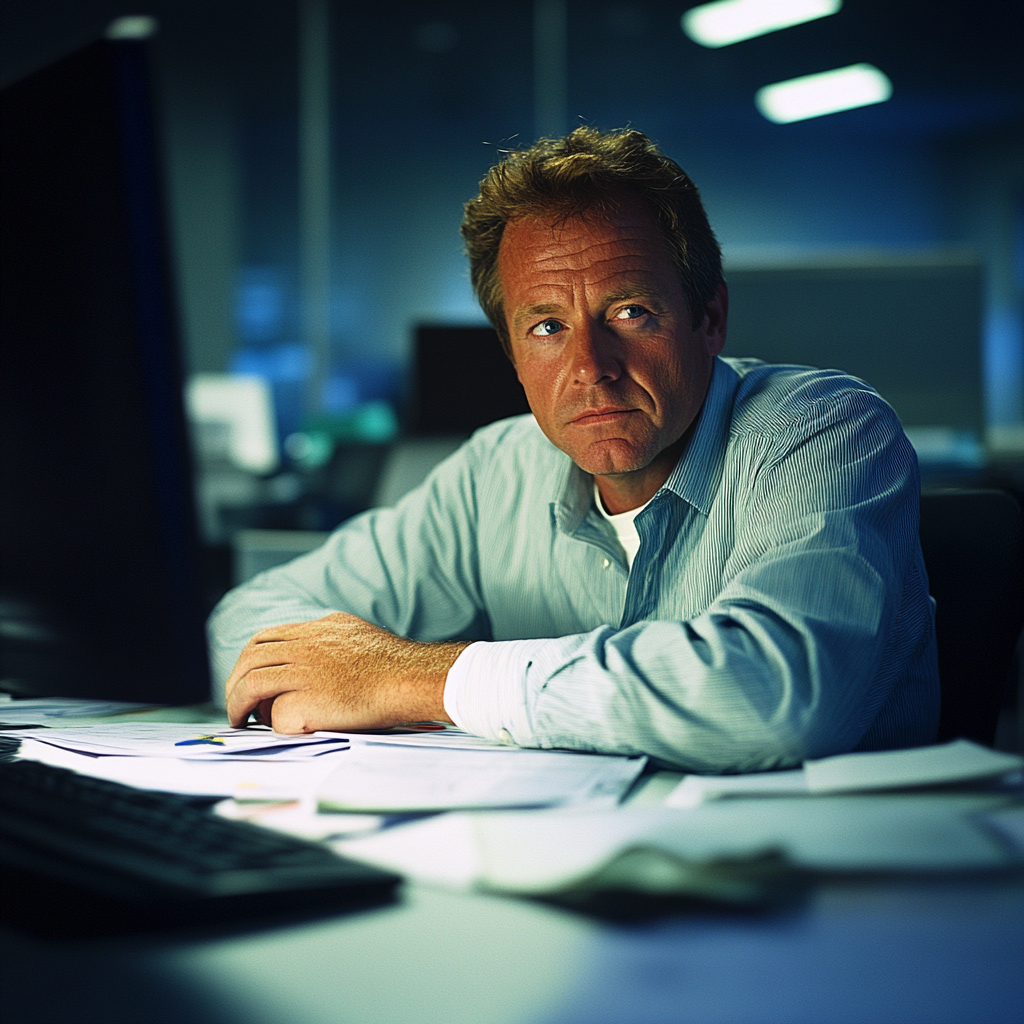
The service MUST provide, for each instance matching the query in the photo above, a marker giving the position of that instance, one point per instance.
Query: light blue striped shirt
(777, 609)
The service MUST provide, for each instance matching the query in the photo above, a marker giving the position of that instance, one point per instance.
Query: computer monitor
(99, 552)
(910, 327)
(462, 380)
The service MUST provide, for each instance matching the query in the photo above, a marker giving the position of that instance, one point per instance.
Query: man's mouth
(603, 414)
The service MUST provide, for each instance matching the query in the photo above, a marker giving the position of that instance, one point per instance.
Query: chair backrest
(973, 544)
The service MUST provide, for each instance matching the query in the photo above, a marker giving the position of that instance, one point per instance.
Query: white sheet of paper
(300, 818)
(942, 764)
(695, 789)
(876, 771)
(401, 778)
(202, 741)
(242, 778)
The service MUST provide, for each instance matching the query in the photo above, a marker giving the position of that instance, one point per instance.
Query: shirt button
(605, 563)
(505, 737)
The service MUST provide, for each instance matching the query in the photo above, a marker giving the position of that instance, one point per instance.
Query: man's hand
(339, 672)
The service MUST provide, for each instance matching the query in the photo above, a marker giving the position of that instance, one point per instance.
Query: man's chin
(614, 457)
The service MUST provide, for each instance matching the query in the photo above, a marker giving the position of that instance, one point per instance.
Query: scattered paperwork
(944, 764)
(385, 778)
(544, 852)
(344, 772)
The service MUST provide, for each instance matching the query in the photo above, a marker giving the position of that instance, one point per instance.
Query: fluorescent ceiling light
(827, 93)
(133, 26)
(731, 21)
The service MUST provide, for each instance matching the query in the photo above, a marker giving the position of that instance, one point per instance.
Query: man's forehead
(627, 240)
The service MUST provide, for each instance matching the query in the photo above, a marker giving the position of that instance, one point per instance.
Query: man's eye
(546, 328)
(631, 312)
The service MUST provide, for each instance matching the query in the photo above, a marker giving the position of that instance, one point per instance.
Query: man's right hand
(338, 673)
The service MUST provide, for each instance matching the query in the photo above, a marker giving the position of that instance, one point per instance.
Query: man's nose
(595, 355)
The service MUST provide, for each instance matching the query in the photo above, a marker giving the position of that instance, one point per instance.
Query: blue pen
(212, 740)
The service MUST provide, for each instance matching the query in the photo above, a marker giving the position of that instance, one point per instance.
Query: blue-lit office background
(317, 173)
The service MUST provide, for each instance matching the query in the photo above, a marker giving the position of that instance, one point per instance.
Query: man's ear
(716, 317)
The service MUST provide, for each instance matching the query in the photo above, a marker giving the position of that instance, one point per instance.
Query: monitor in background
(910, 327)
(99, 554)
(462, 380)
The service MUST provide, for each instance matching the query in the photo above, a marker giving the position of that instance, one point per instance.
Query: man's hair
(589, 173)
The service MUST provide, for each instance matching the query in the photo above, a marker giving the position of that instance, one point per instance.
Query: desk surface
(869, 950)
(931, 952)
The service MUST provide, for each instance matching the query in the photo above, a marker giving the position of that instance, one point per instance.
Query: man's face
(602, 337)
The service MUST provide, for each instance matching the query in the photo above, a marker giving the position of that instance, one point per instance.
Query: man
(712, 562)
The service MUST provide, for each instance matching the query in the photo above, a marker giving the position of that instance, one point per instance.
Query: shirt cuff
(485, 690)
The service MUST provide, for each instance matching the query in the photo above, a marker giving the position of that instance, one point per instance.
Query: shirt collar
(695, 478)
(697, 472)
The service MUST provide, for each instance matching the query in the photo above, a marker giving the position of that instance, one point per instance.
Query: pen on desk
(212, 740)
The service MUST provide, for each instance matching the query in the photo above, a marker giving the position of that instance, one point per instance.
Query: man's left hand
(338, 673)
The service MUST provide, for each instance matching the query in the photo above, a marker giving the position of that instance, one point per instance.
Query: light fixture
(132, 26)
(731, 21)
(827, 93)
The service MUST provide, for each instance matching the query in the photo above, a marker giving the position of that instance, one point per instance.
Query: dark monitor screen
(911, 329)
(462, 380)
(99, 554)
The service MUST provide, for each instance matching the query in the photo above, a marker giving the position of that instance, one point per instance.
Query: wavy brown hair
(587, 173)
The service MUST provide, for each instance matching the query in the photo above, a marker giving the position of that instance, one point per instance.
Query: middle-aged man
(711, 561)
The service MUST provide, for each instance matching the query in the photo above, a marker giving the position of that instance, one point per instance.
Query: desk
(911, 951)
(859, 952)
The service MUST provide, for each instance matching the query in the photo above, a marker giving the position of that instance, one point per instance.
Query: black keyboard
(147, 848)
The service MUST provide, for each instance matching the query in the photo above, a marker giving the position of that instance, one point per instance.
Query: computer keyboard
(147, 848)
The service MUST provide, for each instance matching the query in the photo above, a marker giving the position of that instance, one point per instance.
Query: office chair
(973, 544)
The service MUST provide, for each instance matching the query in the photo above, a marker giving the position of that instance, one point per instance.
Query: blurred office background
(319, 153)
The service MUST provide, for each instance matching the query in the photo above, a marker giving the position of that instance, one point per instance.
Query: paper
(942, 765)
(202, 741)
(245, 779)
(945, 764)
(543, 852)
(695, 789)
(299, 818)
(402, 779)
(366, 775)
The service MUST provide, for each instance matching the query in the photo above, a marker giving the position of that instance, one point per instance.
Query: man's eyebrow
(529, 312)
(633, 291)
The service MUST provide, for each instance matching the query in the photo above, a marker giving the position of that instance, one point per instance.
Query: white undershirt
(625, 529)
